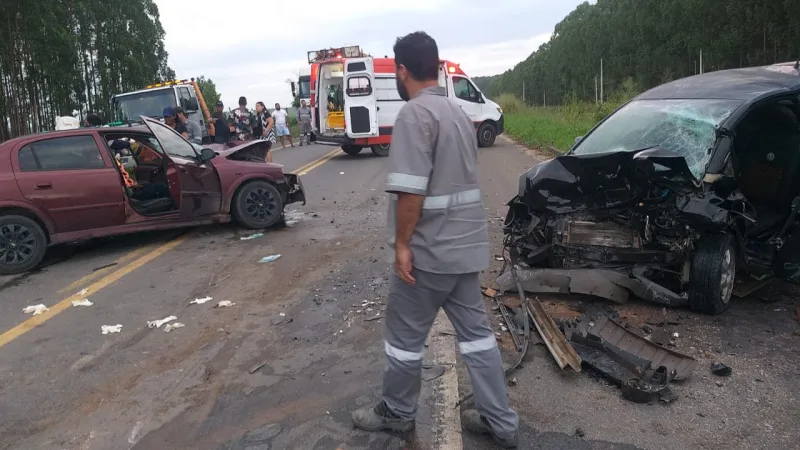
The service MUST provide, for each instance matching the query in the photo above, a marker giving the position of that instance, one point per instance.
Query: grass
(552, 128)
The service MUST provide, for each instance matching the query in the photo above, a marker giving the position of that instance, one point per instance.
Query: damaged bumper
(292, 189)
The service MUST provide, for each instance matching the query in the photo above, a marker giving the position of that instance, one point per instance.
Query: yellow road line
(304, 169)
(97, 273)
(107, 280)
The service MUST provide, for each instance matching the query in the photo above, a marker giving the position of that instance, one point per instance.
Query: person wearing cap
(193, 132)
(223, 134)
(171, 121)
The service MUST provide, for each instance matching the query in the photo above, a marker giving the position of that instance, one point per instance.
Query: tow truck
(151, 101)
(355, 102)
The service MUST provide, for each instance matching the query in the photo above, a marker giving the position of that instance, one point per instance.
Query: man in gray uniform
(304, 120)
(439, 234)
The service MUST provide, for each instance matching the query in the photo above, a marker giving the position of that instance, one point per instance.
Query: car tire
(351, 149)
(381, 150)
(26, 239)
(258, 205)
(487, 133)
(712, 275)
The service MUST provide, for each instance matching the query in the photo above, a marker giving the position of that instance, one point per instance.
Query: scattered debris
(35, 309)
(212, 283)
(720, 383)
(499, 258)
(270, 258)
(341, 173)
(172, 326)
(721, 370)
(579, 433)
(257, 367)
(82, 292)
(555, 341)
(104, 267)
(489, 292)
(370, 319)
(282, 314)
(107, 329)
(432, 372)
(252, 236)
(200, 301)
(84, 302)
(158, 323)
(225, 304)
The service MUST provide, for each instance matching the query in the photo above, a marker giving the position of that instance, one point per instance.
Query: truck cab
(151, 101)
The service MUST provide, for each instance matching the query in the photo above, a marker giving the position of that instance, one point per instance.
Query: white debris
(200, 301)
(282, 314)
(158, 323)
(225, 303)
(84, 302)
(82, 292)
(270, 258)
(172, 326)
(675, 335)
(111, 328)
(341, 173)
(35, 309)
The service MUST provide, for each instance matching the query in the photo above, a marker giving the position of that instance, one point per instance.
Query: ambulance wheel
(487, 133)
(351, 149)
(380, 149)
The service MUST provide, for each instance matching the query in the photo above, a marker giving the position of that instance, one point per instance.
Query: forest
(643, 43)
(65, 55)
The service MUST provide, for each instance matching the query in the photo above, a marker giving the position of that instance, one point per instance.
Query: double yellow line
(302, 170)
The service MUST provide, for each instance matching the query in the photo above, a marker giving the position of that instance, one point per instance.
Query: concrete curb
(446, 418)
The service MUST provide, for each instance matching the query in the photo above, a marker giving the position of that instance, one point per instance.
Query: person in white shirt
(281, 117)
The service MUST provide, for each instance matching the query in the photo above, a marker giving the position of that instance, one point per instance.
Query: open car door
(199, 192)
(361, 105)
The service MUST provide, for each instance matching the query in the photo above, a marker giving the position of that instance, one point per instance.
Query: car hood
(242, 151)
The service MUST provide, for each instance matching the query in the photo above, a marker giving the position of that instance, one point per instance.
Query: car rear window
(65, 153)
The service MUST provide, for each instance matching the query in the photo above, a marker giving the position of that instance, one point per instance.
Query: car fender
(237, 183)
(37, 213)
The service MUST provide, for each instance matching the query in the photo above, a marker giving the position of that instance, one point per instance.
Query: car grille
(602, 234)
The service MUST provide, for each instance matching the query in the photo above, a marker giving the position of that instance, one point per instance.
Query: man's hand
(403, 264)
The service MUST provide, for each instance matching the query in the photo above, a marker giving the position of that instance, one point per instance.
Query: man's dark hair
(94, 120)
(242, 101)
(419, 53)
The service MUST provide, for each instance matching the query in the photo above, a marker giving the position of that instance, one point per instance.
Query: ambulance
(355, 100)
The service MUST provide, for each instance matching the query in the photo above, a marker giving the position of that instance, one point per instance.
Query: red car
(71, 185)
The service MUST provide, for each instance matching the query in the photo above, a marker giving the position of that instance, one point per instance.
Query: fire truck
(355, 101)
(152, 100)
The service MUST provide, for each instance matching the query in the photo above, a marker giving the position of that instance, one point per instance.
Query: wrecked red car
(71, 185)
(686, 195)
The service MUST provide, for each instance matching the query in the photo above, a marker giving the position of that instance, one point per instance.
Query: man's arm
(409, 208)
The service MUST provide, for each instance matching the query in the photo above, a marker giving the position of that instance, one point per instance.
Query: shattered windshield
(687, 127)
(147, 103)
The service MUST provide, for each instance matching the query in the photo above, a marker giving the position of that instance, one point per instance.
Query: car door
(200, 190)
(72, 180)
(467, 97)
(361, 106)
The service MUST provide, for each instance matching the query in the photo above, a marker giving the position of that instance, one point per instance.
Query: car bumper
(294, 189)
(501, 124)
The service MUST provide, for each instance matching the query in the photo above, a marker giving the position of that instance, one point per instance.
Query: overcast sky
(251, 47)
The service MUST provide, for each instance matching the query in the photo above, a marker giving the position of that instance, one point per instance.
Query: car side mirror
(207, 154)
(293, 90)
(190, 104)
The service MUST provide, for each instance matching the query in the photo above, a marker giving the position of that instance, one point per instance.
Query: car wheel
(351, 149)
(380, 149)
(487, 133)
(258, 204)
(712, 275)
(22, 244)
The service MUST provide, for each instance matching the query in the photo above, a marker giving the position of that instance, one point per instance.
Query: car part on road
(171, 326)
(110, 329)
(35, 309)
(22, 244)
(553, 338)
(640, 391)
(380, 149)
(200, 301)
(352, 149)
(259, 205)
(721, 370)
(270, 258)
(158, 323)
(252, 236)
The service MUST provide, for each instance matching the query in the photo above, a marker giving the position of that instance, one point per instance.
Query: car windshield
(304, 88)
(687, 127)
(148, 103)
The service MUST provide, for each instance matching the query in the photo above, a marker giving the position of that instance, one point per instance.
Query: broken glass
(687, 127)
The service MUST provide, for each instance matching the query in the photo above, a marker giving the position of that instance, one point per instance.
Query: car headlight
(500, 110)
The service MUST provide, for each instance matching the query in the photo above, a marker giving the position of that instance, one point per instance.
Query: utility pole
(523, 91)
(602, 98)
(701, 61)
(595, 90)
(544, 94)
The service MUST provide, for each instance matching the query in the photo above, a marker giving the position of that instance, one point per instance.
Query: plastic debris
(341, 173)
(200, 301)
(35, 309)
(84, 302)
(82, 292)
(282, 314)
(111, 328)
(224, 304)
(721, 370)
(172, 326)
(158, 323)
(252, 236)
(270, 258)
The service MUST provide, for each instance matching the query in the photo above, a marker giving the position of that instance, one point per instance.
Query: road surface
(301, 345)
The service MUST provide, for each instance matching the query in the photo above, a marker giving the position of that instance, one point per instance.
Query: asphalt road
(283, 366)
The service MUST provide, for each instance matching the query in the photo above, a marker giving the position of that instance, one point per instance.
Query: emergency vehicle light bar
(166, 83)
(353, 51)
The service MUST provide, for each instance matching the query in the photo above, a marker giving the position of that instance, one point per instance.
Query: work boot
(379, 418)
(473, 421)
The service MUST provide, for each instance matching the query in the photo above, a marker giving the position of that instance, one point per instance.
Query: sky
(252, 47)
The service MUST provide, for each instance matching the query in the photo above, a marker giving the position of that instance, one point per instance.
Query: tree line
(643, 43)
(58, 56)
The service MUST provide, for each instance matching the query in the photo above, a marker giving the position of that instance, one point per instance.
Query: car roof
(75, 131)
(735, 84)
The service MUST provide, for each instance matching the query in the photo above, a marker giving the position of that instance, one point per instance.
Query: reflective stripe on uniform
(401, 355)
(407, 181)
(446, 201)
(480, 345)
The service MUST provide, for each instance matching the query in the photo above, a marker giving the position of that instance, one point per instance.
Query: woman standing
(265, 129)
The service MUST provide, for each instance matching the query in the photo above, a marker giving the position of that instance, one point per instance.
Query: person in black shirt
(221, 130)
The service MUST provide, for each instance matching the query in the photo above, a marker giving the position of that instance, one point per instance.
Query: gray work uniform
(195, 132)
(434, 153)
(304, 119)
